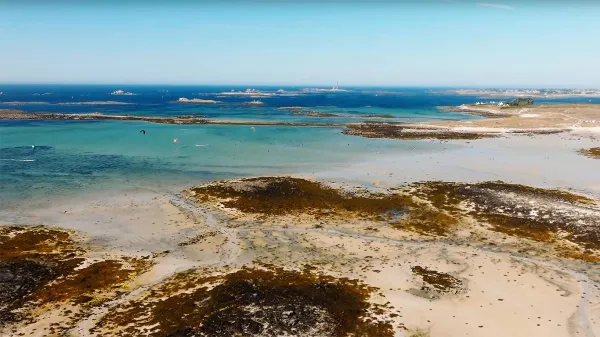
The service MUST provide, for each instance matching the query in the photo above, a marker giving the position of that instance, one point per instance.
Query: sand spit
(559, 116)
(530, 120)
(289, 256)
(24, 102)
(10, 114)
(478, 110)
(592, 152)
(96, 103)
(299, 111)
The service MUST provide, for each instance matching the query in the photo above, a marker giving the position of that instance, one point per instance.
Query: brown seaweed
(266, 301)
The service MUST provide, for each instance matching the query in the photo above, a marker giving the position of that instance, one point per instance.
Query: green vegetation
(521, 102)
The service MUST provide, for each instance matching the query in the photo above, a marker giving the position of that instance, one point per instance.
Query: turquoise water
(70, 158)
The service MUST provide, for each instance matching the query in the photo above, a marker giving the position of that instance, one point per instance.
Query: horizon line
(497, 86)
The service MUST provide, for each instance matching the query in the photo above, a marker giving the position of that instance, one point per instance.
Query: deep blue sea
(44, 160)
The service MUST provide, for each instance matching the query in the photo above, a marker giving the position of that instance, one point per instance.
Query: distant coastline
(536, 93)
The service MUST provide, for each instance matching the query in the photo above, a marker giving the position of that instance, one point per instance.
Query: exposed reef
(407, 132)
(11, 114)
(18, 114)
(567, 222)
(436, 284)
(592, 152)
(313, 113)
(377, 116)
(252, 301)
(43, 268)
(488, 112)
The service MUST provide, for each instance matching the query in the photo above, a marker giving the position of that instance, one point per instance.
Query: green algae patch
(592, 152)
(398, 131)
(43, 268)
(253, 301)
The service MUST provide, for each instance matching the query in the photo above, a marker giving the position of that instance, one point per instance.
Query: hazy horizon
(300, 86)
(507, 44)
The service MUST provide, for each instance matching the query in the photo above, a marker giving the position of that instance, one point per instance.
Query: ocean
(41, 161)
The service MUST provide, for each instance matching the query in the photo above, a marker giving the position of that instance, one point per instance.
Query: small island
(254, 103)
(122, 93)
(248, 92)
(197, 101)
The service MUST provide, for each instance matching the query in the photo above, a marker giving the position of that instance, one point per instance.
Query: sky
(358, 43)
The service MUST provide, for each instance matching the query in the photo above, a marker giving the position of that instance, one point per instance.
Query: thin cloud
(497, 6)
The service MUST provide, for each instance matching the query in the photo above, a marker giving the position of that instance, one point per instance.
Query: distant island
(94, 103)
(258, 93)
(197, 101)
(492, 108)
(248, 92)
(123, 93)
(255, 102)
(319, 90)
(514, 103)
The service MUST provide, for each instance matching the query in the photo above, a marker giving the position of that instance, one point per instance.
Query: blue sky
(432, 43)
